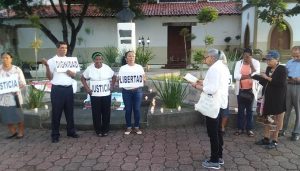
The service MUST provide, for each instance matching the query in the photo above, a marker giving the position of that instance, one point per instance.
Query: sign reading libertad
(9, 84)
(130, 80)
(69, 63)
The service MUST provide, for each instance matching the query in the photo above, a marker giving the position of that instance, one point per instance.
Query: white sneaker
(128, 131)
(138, 131)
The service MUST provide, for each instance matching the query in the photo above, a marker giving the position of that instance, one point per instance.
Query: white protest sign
(67, 63)
(9, 84)
(130, 80)
(100, 88)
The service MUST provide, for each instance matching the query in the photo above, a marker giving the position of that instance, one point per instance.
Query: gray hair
(214, 53)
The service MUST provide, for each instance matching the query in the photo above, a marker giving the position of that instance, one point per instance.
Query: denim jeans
(132, 101)
(244, 121)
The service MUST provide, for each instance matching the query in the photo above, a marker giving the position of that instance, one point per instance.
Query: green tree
(187, 36)
(274, 11)
(70, 19)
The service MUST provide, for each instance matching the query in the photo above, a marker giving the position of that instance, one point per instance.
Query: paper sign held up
(68, 63)
(9, 84)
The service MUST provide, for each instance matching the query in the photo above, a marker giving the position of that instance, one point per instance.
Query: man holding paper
(61, 92)
(102, 81)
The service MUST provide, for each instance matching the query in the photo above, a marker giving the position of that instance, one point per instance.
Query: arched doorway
(247, 37)
(280, 40)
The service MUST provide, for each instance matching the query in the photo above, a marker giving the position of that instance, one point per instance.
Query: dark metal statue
(125, 15)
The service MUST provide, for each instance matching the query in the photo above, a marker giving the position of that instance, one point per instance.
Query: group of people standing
(62, 98)
(280, 93)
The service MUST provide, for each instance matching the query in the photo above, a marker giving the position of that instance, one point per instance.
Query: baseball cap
(273, 54)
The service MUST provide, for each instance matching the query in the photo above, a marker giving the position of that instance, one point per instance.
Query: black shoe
(295, 137)
(281, 133)
(104, 134)
(55, 140)
(272, 145)
(12, 136)
(74, 135)
(264, 141)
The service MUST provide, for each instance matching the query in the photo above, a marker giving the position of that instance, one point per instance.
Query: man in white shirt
(215, 81)
(61, 94)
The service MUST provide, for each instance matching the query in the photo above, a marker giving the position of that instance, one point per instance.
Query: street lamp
(142, 41)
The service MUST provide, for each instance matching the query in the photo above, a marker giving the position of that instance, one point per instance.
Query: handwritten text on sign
(100, 88)
(130, 80)
(9, 84)
(69, 63)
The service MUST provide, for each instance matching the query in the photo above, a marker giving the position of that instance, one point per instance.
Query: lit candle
(153, 102)
(152, 110)
(150, 90)
(179, 108)
(36, 110)
(46, 106)
(146, 97)
(162, 110)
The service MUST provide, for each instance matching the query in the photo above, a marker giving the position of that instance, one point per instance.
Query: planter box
(33, 118)
(174, 118)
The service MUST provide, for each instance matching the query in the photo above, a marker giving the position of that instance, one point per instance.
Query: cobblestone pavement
(157, 149)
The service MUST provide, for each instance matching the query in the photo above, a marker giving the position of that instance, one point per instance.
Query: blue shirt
(293, 68)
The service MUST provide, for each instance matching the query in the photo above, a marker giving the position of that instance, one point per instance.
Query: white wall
(104, 33)
(248, 18)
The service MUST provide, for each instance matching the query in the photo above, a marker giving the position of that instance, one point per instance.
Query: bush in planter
(110, 54)
(171, 90)
(35, 97)
(143, 56)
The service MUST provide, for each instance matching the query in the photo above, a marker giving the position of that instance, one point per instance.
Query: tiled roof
(160, 9)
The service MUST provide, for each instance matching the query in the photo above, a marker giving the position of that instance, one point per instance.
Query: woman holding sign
(9, 98)
(131, 79)
(102, 80)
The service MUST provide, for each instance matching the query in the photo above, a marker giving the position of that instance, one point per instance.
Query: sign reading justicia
(9, 84)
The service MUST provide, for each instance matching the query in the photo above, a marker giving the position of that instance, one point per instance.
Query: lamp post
(142, 42)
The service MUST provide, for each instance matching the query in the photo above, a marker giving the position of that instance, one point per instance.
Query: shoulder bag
(209, 105)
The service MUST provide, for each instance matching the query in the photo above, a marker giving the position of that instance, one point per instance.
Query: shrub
(199, 56)
(207, 14)
(143, 56)
(171, 90)
(110, 54)
(35, 97)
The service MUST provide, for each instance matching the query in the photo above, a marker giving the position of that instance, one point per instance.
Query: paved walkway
(157, 149)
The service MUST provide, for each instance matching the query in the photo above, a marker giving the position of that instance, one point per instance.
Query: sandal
(238, 132)
(250, 133)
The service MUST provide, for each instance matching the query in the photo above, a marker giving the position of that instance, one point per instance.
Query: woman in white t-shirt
(131, 79)
(102, 80)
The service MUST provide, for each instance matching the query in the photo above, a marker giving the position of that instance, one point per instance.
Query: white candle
(152, 110)
(146, 97)
(179, 108)
(153, 102)
(162, 110)
(150, 90)
(46, 106)
(36, 110)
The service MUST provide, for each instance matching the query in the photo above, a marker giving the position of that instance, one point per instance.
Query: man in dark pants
(61, 94)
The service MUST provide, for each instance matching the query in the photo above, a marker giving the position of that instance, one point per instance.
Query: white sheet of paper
(68, 63)
(190, 78)
(9, 84)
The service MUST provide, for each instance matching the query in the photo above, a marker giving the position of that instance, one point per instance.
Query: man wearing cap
(293, 93)
(61, 94)
(274, 82)
(244, 69)
(102, 81)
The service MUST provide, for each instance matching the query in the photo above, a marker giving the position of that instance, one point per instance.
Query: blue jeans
(132, 101)
(245, 121)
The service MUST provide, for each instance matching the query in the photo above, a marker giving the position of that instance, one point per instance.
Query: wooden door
(280, 40)
(176, 49)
